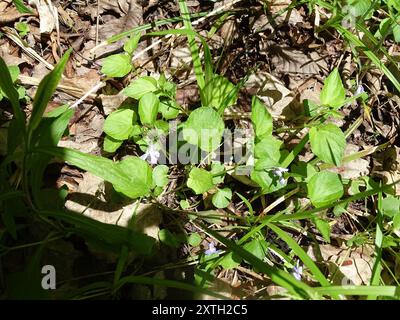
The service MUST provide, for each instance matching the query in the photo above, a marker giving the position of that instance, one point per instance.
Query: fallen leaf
(48, 15)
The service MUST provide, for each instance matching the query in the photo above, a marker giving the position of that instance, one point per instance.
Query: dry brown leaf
(48, 15)
(278, 99)
(290, 61)
(93, 199)
(353, 169)
(349, 266)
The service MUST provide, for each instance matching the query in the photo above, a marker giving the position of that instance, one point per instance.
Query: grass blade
(301, 254)
(278, 276)
(45, 91)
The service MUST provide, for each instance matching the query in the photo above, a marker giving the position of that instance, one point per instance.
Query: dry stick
(140, 53)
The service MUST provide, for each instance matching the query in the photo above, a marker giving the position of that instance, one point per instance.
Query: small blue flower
(297, 271)
(279, 173)
(360, 89)
(211, 249)
(151, 153)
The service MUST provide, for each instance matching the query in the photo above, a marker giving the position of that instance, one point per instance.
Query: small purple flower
(279, 173)
(211, 249)
(360, 90)
(297, 271)
(151, 153)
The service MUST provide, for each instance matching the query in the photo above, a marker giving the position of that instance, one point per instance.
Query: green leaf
(396, 33)
(184, 204)
(200, 180)
(324, 227)
(324, 188)
(14, 72)
(169, 109)
(194, 239)
(110, 144)
(391, 206)
(140, 176)
(396, 221)
(222, 93)
(218, 172)
(359, 7)
(23, 28)
(268, 182)
(148, 108)
(117, 65)
(328, 143)
(139, 87)
(267, 152)
(45, 91)
(261, 118)
(333, 93)
(119, 124)
(222, 198)
(257, 248)
(204, 128)
(132, 176)
(230, 261)
(168, 238)
(132, 43)
(160, 175)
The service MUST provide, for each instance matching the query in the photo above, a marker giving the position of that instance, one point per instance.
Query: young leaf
(45, 90)
(204, 128)
(267, 152)
(324, 227)
(261, 118)
(333, 93)
(391, 206)
(119, 124)
(194, 239)
(168, 238)
(328, 143)
(110, 144)
(117, 65)
(200, 180)
(132, 43)
(148, 108)
(257, 248)
(222, 92)
(266, 180)
(218, 172)
(160, 175)
(139, 87)
(169, 109)
(230, 261)
(324, 188)
(222, 198)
